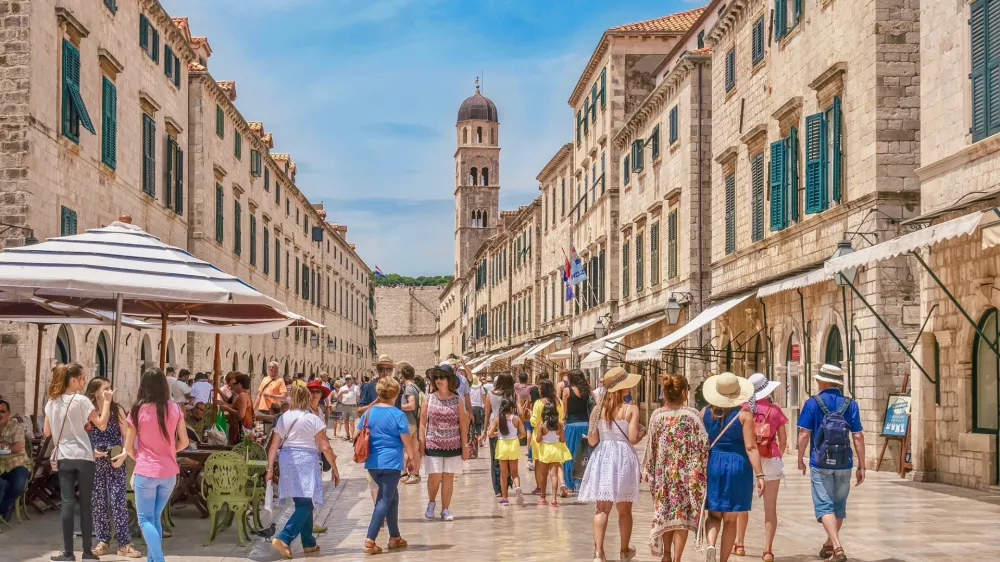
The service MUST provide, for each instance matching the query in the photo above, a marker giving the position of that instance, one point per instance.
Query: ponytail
(506, 406)
(61, 374)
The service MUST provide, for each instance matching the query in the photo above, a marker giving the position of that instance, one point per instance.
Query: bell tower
(477, 177)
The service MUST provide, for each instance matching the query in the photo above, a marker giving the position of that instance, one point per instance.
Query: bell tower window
(465, 135)
(493, 137)
(479, 135)
(486, 176)
(473, 176)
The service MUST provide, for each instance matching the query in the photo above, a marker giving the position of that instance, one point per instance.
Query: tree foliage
(393, 279)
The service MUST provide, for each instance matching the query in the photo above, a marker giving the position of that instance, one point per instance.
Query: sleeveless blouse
(444, 435)
(576, 407)
(110, 437)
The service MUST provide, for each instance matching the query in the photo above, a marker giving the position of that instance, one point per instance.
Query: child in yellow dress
(508, 429)
(552, 451)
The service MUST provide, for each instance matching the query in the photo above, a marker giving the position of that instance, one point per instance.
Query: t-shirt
(156, 455)
(385, 447)
(412, 390)
(476, 395)
(75, 442)
(270, 386)
(771, 414)
(463, 386)
(522, 390)
(811, 418)
(304, 431)
(202, 392)
(179, 390)
(369, 394)
(350, 396)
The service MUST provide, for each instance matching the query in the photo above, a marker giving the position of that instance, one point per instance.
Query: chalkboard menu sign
(897, 416)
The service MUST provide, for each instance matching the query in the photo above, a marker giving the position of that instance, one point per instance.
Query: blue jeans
(830, 488)
(386, 504)
(300, 524)
(151, 496)
(12, 485)
(527, 431)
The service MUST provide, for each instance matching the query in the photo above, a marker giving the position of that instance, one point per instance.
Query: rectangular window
(638, 147)
(253, 240)
(835, 162)
(109, 123)
(168, 62)
(778, 184)
(267, 253)
(674, 133)
(177, 72)
(297, 280)
(730, 213)
(654, 253)
(277, 260)
(603, 87)
(640, 256)
(563, 212)
(169, 170)
(672, 244)
(238, 145)
(148, 155)
(757, 197)
(67, 222)
(593, 105)
(731, 69)
(237, 228)
(255, 162)
(625, 269)
(600, 273)
(74, 112)
(626, 172)
(757, 41)
(782, 22)
(219, 214)
(654, 142)
(220, 122)
(149, 38)
(816, 163)
(701, 39)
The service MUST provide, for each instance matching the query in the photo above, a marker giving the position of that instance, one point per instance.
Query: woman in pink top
(154, 435)
(769, 428)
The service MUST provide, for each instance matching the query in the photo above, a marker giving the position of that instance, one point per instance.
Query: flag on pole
(577, 273)
(378, 272)
(565, 278)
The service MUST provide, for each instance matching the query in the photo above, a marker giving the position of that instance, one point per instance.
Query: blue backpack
(833, 445)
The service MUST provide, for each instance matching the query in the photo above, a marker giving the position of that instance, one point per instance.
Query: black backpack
(833, 444)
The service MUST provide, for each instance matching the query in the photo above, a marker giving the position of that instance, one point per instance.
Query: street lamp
(599, 329)
(527, 345)
(672, 310)
(846, 276)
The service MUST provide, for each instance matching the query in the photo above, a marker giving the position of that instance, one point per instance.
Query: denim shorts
(830, 488)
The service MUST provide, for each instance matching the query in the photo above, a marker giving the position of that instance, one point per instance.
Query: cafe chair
(251, 451)
(224, 484)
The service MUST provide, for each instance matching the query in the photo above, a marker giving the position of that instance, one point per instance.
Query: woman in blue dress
(733, 461)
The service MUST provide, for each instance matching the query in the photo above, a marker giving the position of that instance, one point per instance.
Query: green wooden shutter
(640, 255)
(780, 18)
(816, 199)
(757, 196)
(654, 253)
(277, 192)
(626, 171)
(757, 43)
(238, 145)
(977, 32)
(267, 178)
(579, 127)
(168, 62)
(237, 228)
(267, 253)
(67, 222)
(637, 155)
(792, 150)
(730, 213)
(672, 245)
(148, 155)
(177, 71)
(74, 110)
(586, 122)
(170, 148)
(593, 106)
(277, 262)
(625, 268)
(109, 123)
(837, 176)
(779, 210)
(179, 184)
(674, 134)
(604, 98)
(654, 142)
(253, 240)
(219, 216)
(730, 69)
(144, 32)
(701, 39)
(220, 122)
(992, 67)
(156, 45)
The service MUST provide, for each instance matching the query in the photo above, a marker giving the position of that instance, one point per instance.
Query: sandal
(281, 547)
(370, 547)
(767, 557)
(541, 501)
(627, 555)
(738, 550)
(826, 551)
(838, 556)
(397, 542)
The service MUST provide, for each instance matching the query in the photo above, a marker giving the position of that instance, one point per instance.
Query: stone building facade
(406, 324)
(102, 118)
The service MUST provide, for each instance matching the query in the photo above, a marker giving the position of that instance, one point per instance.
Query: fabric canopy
(594, 358)
(37, 311)
(561, 355)
(796, 282)
(961, 226)
(618, 335)
(477, 360)
(653, 351)
(533, 352)
(498, 357)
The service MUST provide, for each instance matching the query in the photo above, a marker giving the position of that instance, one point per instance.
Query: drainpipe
(701, 215)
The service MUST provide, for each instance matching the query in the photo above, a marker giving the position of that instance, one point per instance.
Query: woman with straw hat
(612, 475)
(769, 430)
(733, 460)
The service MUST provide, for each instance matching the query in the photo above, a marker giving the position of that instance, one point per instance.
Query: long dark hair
(547, 390)
(506, 407)
(152, 390)
(117, 412)
(504, 386)
(550, 417)
(579, 380)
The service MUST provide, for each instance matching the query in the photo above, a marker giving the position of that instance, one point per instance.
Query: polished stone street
(888, 520)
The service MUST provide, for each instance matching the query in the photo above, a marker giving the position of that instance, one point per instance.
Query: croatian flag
(577, 274)
(378, 272)
(565, 278)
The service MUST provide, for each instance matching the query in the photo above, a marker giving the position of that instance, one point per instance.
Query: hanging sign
(796, 354)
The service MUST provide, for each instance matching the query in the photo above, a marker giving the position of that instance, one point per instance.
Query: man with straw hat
(733, 460)
(829, 421)
(384, 367)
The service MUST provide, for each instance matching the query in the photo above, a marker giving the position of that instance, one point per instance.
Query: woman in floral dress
(676, 465)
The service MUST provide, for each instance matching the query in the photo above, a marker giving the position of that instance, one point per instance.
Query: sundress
(612, 473)
(676, 463)
(730, 476)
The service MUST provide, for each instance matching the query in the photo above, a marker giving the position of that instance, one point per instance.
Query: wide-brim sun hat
(316, 385)
(762, 387)
(726, 390)
(442, 369)
(617, 378)
(831, 374)
(385, 360)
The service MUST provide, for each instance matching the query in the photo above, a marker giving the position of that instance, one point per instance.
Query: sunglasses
(315, 392)
(385, 369)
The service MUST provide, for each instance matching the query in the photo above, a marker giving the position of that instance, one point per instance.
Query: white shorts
(443, 465)
(774, 468)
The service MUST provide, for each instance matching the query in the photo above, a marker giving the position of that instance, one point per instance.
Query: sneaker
(518, 496)
(63, 557)
(446, 515)
(129, 551)
(429, 513)
(310, 549)
(89, 556)
(710, 553)
(317, 529)
(504, 503)
(536, 491)
(101, 548)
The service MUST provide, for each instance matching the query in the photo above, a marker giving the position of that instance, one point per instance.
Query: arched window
(985, 369)
(834, 348)
(673, 362)
(102, 355)
(62, 346)
(479, 135)
(486, 176)
(493, 136)
(473, 223)
(486, 222)
(473, 176)
(465, 135)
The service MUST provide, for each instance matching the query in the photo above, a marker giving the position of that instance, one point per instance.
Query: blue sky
(364, 94)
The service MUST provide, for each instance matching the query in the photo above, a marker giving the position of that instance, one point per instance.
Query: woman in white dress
(612, 475)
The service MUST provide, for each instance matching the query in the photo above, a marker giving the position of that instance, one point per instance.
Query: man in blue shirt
(830, 458)
(385, 367)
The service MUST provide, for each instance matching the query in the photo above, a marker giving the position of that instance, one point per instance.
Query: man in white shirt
(180, 392)
(201, 390)
(348, 397)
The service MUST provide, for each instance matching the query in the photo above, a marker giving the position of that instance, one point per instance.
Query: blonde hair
(61, 374)
(387, 389)
(298, 398)
(610, 404)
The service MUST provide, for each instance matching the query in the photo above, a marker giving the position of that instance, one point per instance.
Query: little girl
(508, 449)
(552, 451)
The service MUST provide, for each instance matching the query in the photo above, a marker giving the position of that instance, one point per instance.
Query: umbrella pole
(163, 341)
(215, 374)
(116, 337)
(38, 374)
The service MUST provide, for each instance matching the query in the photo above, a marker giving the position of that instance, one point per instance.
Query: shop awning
(653, 351)
(594, 358)
(962, 226)
(498, 357)
(561, 355)
(482, 362)
(796, 282)
(477, 360)
(533, 352)
(618, 335)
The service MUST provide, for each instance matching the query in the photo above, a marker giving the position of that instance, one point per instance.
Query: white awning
(797, 282)
(498, 357)
(962, 226)
(653, 351)
(594, 358)
(533, 352)
(483, 362)
(618, 335)
(477, 360)
(561, 355)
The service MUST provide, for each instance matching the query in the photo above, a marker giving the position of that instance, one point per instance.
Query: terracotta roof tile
(181, 23)
(256, 126)
(280, 156)
(681, 21)
(195, 66)
(228, 86)
(268, 140)
(703, 51)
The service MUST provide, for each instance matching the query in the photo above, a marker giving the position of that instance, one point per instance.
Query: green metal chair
(224, 484)
(251, 451)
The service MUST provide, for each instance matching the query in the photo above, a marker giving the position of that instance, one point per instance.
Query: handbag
(53, 458)
(361, 440)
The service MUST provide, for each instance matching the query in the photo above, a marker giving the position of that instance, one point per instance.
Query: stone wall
(407, 324)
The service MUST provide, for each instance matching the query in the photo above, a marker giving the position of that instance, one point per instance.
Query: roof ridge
(628, 26)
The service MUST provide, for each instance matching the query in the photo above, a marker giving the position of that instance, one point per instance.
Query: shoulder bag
(53, 458)
(361, 440)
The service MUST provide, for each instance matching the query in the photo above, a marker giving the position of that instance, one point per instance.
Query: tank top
(551, 437)
(444, 436)
(576, 407)
(511, 429)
